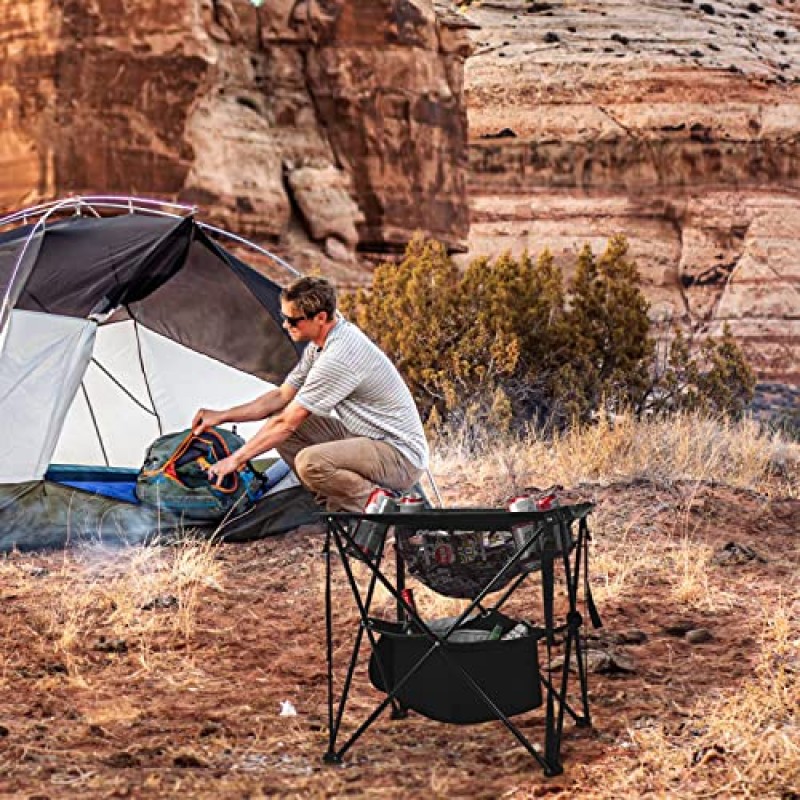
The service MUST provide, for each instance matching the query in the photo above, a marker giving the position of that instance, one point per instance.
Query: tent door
(42, 362)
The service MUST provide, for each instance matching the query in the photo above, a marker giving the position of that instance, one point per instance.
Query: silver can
(411, 504)
(370, 534)
(523, 534)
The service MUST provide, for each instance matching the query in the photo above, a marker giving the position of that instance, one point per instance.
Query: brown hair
(311, 295)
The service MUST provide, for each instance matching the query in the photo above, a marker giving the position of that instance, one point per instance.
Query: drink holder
(427, 666)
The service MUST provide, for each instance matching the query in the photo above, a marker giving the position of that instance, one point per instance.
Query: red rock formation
(323, 127)
(334, 121)
(677, 124)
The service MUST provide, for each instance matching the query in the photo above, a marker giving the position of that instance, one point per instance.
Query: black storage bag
(506, 669)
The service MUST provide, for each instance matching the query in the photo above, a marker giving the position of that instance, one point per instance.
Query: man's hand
(204, 419)
(216, 472)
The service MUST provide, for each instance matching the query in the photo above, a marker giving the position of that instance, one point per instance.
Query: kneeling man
(344, 419)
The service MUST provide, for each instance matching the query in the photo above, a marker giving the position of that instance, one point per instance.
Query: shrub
(717, 380)
(413, 313)
(610, 353)
(506, 341)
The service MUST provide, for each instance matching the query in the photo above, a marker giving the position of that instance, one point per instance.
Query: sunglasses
(293, 321)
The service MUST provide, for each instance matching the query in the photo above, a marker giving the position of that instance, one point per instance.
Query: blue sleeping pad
(119, 483)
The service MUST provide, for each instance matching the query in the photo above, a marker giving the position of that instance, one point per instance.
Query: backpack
(173, 476)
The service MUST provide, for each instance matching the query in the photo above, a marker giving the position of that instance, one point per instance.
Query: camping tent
(119, 318)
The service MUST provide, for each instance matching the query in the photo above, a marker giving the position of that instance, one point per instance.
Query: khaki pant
(342, 469)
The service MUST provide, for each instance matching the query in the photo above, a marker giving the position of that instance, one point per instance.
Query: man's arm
(276, 430)
(262, 407)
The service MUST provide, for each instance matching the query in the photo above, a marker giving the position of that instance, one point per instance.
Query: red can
(369, 535)
(547, 502)
(443, 554)
(410, 504)
(524, 533)
(377, 500)
(408, 598)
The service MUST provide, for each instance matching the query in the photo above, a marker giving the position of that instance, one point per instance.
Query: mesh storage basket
(462, 563)
(457, 563)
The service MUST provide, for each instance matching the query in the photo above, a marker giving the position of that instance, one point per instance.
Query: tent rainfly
(120, 317)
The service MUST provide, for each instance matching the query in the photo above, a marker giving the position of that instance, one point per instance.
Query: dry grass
(744, 743)
(661, 450)
(135, 661)
(683, 452)
(116, 599)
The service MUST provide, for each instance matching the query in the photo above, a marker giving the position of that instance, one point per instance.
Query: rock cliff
(319, 126)
(676, 123)
(331, 130)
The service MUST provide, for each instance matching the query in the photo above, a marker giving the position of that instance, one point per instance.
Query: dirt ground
(155, 710)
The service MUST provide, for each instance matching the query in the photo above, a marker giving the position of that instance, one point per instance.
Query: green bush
(507, 341)
(717, 380)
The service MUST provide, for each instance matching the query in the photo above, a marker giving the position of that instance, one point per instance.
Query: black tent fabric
(223, 319)
(86, 265)
(166, 273)
(276, 513)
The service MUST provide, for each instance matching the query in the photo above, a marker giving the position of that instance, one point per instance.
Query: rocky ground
(164, 673)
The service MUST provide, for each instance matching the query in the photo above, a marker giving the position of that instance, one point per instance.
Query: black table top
(497, 519)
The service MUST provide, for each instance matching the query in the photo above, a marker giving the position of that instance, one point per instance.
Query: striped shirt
(351, 378)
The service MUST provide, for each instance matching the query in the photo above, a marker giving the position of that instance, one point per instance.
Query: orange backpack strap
(168, 467)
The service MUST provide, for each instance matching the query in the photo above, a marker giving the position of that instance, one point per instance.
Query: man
(344, 419)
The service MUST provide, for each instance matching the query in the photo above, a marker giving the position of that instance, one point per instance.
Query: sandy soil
(159, 713)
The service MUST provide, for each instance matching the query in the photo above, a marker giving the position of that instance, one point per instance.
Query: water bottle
(517, 632)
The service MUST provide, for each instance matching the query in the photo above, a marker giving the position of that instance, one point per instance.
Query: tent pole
(123, 389)
(94, 422)
(144, 371)
(132, 205)
(435, 487)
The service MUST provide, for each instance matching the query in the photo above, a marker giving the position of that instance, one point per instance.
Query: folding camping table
(453, 670)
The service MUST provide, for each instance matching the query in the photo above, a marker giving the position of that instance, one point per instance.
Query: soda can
(547, 502)
(377, 500)
(411, 504)
(370, 534)
(523, 533)
(517, 632)
(443, 554)
(408, 598)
